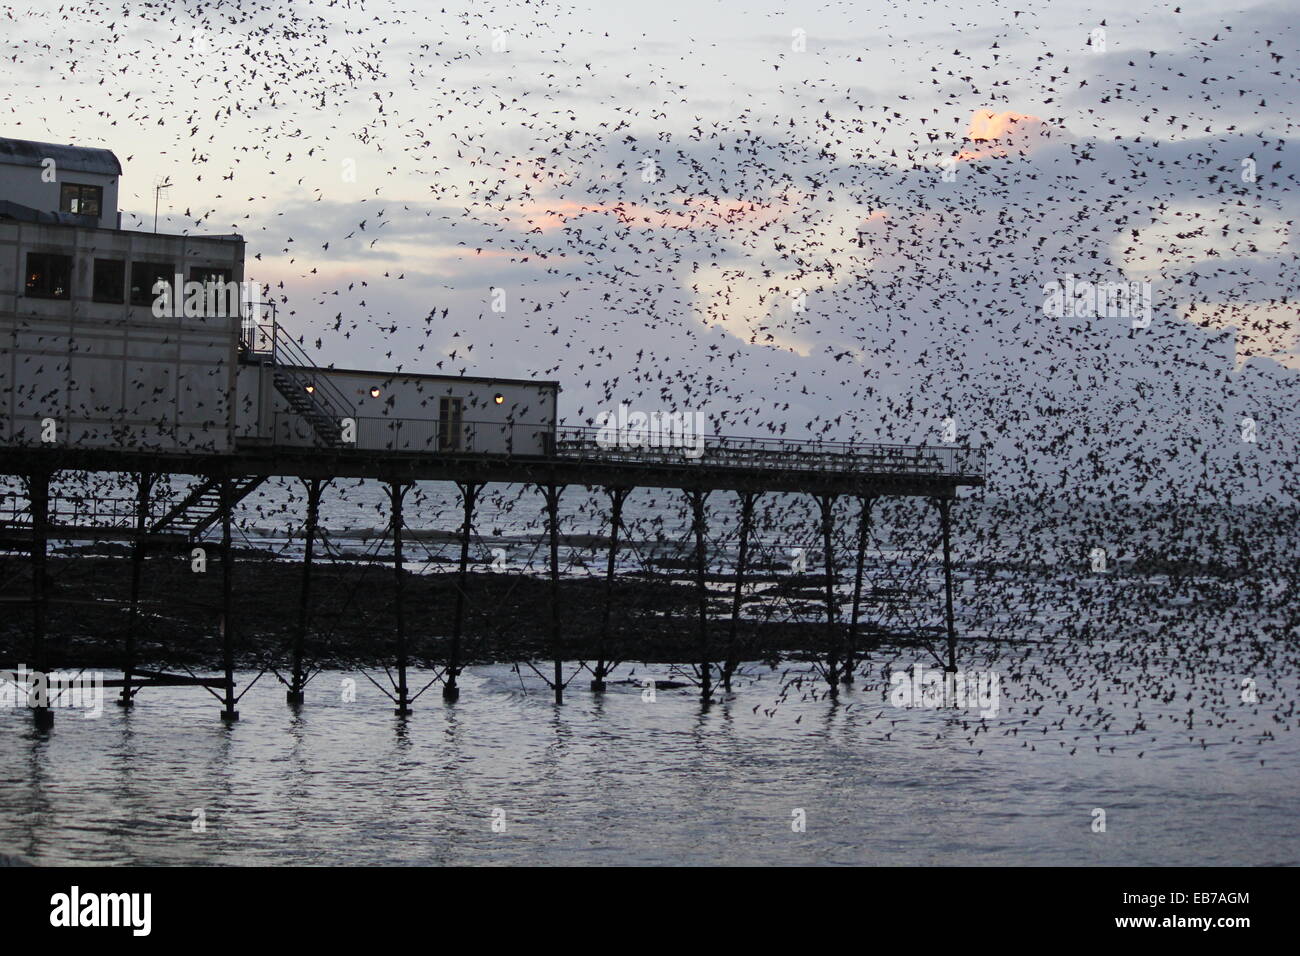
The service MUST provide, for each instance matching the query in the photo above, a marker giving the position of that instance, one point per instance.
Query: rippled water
(617, 779)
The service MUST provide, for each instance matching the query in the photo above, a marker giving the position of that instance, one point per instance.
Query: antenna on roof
(158, 187)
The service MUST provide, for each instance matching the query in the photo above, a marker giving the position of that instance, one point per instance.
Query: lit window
(49, 276)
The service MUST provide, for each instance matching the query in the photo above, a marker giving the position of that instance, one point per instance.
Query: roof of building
(428, 376)
(77, 159)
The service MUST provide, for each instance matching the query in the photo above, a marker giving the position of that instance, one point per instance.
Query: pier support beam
(396, 494)
(864, 527)
(228, 712)
(945, 507)
(697, 499)
(298, 678)
(38, 498)
(552, 493)
(742, 559)
(468, 496)
(616, 497)
(144, 486)
(827, 503)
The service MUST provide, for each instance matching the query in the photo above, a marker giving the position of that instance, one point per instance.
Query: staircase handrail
(326, 392)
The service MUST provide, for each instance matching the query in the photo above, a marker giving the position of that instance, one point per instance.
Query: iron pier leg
(746, 519)
(553, 525)
(469, 495)
(706, 666)
(228, 712)
(143, 488)
(864, 525)
(298, 680)
(396, 492)
(39, 500)
(617, 497)
(945, 505)
(827, 503)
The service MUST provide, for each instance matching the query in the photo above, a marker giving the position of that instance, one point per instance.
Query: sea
(1134, 707)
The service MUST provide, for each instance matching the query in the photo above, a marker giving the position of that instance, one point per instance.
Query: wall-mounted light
(498, 398)
(374, 391)
(310, 389)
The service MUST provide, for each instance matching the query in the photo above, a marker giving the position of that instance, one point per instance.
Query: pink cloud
(1008, 132)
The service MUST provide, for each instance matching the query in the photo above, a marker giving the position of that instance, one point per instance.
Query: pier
(828, 472)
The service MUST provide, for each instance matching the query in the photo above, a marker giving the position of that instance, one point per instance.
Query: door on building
(450, 423)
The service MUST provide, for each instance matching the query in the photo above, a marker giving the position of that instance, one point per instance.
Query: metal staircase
(312, 397)
(301, 392)
(201, 508)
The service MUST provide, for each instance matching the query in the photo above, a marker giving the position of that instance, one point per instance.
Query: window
(206, 274)
(219, 299)
(144, 276)
(49, 276)
(82, 200)
(449, 423)
(110, 281)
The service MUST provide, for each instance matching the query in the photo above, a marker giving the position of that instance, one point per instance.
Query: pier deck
(737, 464)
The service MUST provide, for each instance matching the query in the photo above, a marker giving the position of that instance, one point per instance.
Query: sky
(826, 221)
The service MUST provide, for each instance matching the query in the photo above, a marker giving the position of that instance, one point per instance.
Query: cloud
(986, 124)
(1269, 330)
(1007, 133)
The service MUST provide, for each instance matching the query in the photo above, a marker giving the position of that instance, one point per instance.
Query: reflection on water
(617, 779)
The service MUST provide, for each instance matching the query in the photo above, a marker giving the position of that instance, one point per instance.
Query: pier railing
(69, 509)
(778, 454)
